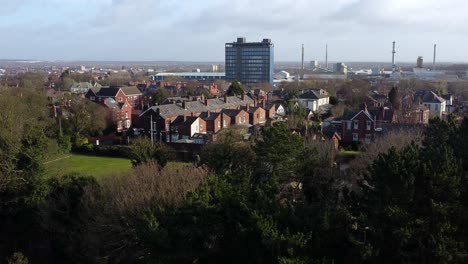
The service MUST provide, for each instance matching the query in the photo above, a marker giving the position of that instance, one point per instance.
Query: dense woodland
(277, 199)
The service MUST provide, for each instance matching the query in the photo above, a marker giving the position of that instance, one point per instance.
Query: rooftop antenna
(326, 56)
(434, 61)
(393, 56)
(302, 65)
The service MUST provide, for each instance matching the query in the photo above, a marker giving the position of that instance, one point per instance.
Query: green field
(87, 165)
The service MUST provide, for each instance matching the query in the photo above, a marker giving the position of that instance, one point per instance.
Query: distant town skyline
(169, 30)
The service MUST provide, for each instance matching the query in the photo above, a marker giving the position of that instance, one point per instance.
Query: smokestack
(393, 56)
(434, 61)
(326, 56)
(302, 65)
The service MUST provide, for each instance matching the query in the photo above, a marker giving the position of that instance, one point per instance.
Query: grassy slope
(88, 165)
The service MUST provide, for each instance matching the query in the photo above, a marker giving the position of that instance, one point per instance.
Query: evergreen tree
(235, 89)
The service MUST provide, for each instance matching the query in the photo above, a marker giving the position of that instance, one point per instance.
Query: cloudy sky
(196, 30)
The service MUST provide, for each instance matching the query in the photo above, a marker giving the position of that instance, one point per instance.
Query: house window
(119, 125)
(368, 138)
(120, 99)
(201, 127)
(348, 125)
(126, 114)
(224, 123)
(368, 125)
(258, 116)
(355, 137)
(356, 124)
(92, 98)
(219, 124)
(436, 107)
(167, 127)
(127, 124)
(240, 120)
(243, 119)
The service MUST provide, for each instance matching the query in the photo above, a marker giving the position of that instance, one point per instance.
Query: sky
(196, 30)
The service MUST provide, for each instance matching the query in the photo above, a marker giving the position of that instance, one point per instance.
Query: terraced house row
(201, 120)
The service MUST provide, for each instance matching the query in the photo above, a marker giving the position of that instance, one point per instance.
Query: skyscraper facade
(250, 62)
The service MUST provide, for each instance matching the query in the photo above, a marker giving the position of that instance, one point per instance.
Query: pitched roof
(429, 97)
(210, 117)
(312, 94)
(130, 90)
(185, 108)
(111, 103)
(231, 112)
(108, 91)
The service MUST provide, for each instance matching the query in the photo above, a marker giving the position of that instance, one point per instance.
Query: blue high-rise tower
(250, 62)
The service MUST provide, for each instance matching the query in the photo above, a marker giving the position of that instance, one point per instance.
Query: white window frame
(368, 125)
(348, 125)
(355, 137)
(356, 124)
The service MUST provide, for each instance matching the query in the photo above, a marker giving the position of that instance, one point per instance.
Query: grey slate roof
(216, 104)
(311, 94)
(211, 117)
(429, 97)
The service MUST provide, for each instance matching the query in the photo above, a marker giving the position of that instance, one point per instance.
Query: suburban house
(215, 122)
(257, 115)
(417, 114)
(375, 99)
(432, 101)
(121, 114)
(238, 117)
(313, 99)
(121, 94)
(359, 127)
(185, 127)
(217, 113)
(83, 87)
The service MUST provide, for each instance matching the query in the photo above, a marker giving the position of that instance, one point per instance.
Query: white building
(314, 99)
(282, 75)
(435, 103)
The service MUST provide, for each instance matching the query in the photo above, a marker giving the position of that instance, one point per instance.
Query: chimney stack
(393, 56)
(226, 99)
(263, 103)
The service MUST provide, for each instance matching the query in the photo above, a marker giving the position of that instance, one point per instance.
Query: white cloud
(197, 30)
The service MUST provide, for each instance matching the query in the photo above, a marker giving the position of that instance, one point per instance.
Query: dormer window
(356, 124)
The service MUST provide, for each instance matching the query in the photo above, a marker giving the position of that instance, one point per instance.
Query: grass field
(87, 165)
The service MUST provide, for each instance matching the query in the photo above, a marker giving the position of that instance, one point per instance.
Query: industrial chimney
(393, 56)
(434, 61)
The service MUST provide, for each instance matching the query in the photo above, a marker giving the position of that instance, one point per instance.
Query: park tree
(412, 202)
(235, 89)
(278, 152)
(159, 96)
(143, 151)
(395, 98)
(85, 118)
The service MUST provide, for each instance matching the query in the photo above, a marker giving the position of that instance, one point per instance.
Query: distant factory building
(199, 76)
(249, 62)
(281, 75)
(314, 64)
(340, 68)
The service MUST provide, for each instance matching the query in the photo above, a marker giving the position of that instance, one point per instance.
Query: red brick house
(121, 94)
(121, 114)
(162, 116)
(238, 117)
(256, 115)
(215, 122)
(359, 127)
(185, 127)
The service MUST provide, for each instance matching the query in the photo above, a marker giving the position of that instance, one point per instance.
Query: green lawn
(87, 165)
